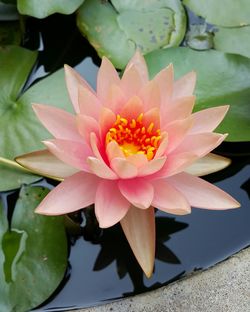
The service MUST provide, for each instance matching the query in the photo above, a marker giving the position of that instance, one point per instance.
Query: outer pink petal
(138, 192)
(61, 124)
(178, 109)
(150, 95)
(73, 81)
(113, 150)
(100, 169)
(185, 85)
(110, 205)
(74, 193)
(139, 228)
(152, 166)
(200, 144)
(133, 108)
(131, 82)
(168, 199)
(139, 62)
(208, 119)
(89, 104)
(177, 130)
(72, 153)
(115, 99)
(86, 125)
(176, 163)
(46, 164)
(123, 168)
(202, 194)
(107, 76)
(165, 81)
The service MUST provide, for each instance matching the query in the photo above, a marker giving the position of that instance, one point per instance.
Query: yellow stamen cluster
(133, 137)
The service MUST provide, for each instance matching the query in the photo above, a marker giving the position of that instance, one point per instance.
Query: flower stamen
(133, 137)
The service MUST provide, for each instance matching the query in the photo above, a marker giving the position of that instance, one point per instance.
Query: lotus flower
(129, 148)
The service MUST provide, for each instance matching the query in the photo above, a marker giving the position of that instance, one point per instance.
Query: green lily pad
(225, 13)
(44, 8)
(221, 79)
(118, 28)
(33, 253)
(233, 40)
(21, 132)
(10, 33)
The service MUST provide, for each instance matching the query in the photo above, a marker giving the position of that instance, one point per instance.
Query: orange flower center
(133, 137)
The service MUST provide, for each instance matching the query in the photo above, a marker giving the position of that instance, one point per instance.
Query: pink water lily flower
(129, 148)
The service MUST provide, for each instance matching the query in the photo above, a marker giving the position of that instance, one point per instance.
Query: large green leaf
(116, 29)
(43, 8)
(221, 79)
(233, 40)
(21, 132)
(226, 13)
(33, 254)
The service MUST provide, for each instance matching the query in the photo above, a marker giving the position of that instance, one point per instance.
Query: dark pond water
(101, 265)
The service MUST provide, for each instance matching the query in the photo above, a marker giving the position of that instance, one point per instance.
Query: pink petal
(168, 199)
(107, 120)
(176, 163)
(73, 81)
(74, 193)
(150, 95)
(139, 228)
(165, 81)
(152, 166)
(113, 150)
(139, 62)
(131, 82)
(208, 164)
(202, 194)
(138, 160)
(72, 153)
(153, 115)
(133, 108)
(208, 119)
(97, 148)
(185, 85)
(177, 131)
(86, 125)
(88, 103)
(110, 205)
(100, 169)
(138, 192)
(107, 76)
(162, 147)
(115, 99)
(61, 124)
(200, 144)
(46, 164)
(123, 168)
(179, 109)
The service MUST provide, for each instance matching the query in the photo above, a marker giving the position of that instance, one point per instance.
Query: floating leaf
(222, 79)
(44, 8)
(226, 13)
(116, 29)
(33, 253)
(233, 40)
(21, 132)
(10, 33)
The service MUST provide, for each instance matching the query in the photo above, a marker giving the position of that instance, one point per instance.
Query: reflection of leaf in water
(114, 247)
(246, 187)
